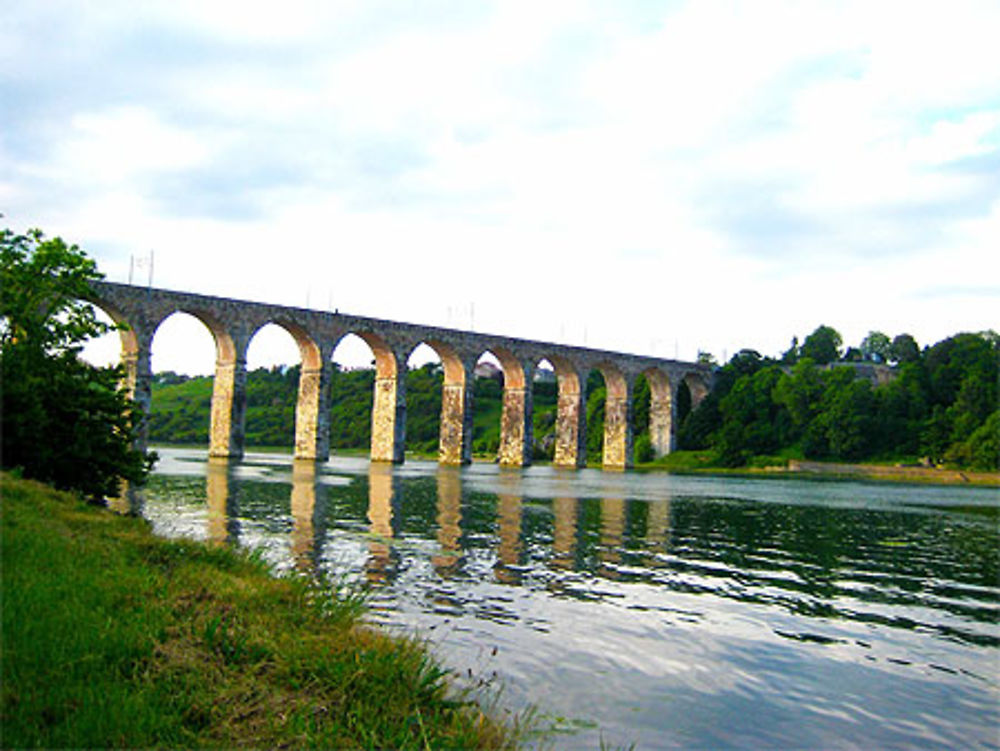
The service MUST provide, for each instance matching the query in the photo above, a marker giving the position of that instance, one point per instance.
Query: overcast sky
(653, 177)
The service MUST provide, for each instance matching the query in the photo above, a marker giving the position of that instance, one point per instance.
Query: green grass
(683, 461)
(114, 637)
(705, 462)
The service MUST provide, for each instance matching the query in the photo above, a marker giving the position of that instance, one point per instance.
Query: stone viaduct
(233, 324)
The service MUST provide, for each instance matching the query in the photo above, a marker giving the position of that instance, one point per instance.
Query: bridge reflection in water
(436, 524)
(566, 533)
(640, 601)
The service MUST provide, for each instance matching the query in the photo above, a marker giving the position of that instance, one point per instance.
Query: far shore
(843, 471)
(690, 462)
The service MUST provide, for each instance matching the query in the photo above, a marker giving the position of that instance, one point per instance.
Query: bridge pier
(661, 432)
(571, 410)
(229, 398)
(516, 439)
(617, 423)
(312, 411)
(661, 413)
(515, 427)
(136, 358)
(388, 417)
(456, 415)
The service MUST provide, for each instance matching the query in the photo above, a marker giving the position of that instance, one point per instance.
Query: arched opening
(501, 409)
(107, 349)
(352, 384)
(697, 386)
(570, 420)
(692, 426)
(273, 371)
(683, 402)
(367, 405)
(424, 378)
(652, 418)
(544, 398)
(123, 347)
(641, 404)
(454, 422)
(184, 351)
(596, 398)
(489, 377)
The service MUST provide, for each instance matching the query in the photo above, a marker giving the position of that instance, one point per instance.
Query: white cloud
(115, 147)
(701, 175)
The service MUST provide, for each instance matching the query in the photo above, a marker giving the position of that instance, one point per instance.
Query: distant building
(486, 369)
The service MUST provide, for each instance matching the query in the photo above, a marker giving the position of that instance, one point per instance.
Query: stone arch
(697, 384)
(617, 453)
(661, 403)
(386, 360)
(312, 440)
(310, 353)
(135, 356)
(227, 422)
(128, 342)
(227, 346)
(388, 425)
(691, 388)
(129, 338)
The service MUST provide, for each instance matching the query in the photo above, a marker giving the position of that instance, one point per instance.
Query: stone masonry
(233, 324)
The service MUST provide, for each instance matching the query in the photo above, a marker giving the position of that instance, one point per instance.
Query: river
(653, 610)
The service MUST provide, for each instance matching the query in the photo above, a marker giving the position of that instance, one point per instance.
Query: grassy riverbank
(702, 462)
(115, 637)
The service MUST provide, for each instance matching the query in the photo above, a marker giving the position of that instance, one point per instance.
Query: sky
(660, 178)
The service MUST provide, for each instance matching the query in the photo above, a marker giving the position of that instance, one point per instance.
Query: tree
(752, 421)
(822, 345)
(901, 410)
(953, 360)
(904, 349)
(791, 355)
(849, 414)
(597, 394)
(64, 421)
(699, 429)
(876, 347)
(800, 392)
(843, 425)
(982, 449)
(696, 430)
(43, 284)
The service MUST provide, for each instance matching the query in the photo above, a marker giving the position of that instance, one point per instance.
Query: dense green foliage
(181, 409)
(940, 403)
(64, 421)
(114, 638)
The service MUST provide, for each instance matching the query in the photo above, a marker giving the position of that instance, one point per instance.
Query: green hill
(181, 409)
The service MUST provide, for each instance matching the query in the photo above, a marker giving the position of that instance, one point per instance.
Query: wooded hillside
(816, 401)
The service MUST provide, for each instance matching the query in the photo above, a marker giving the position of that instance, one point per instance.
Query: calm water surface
(658, 610)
